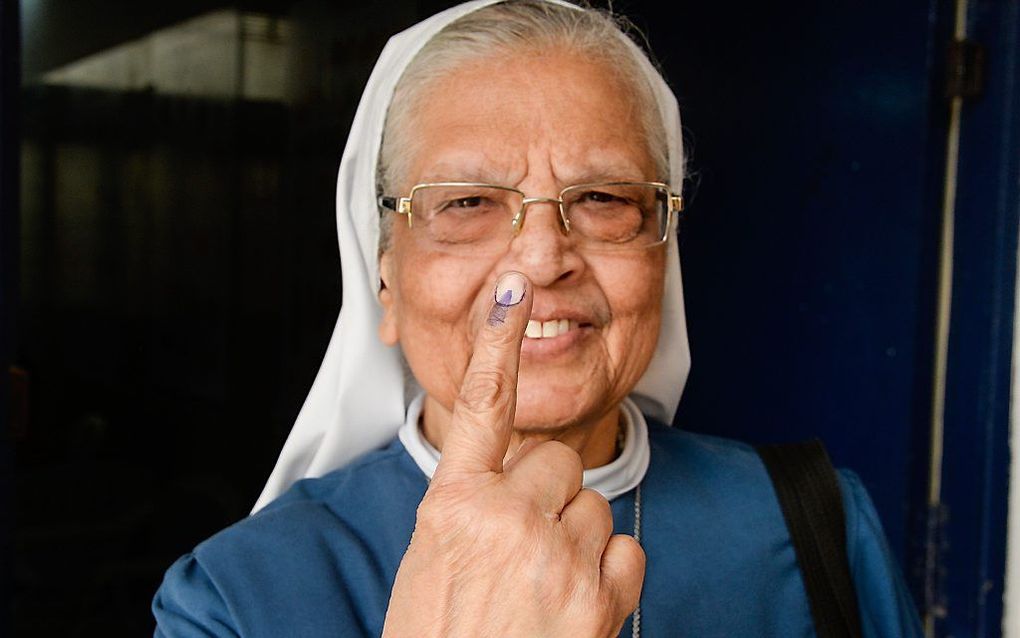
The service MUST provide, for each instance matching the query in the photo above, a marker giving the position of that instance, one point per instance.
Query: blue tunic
(321, 559)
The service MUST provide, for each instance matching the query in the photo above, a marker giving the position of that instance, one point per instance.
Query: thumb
(483, 414)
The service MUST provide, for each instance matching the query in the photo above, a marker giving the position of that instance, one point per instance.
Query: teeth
(546, 329)
(534, 329)
(550, 329)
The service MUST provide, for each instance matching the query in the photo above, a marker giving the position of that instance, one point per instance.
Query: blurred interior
(179, 277)
(179, 280)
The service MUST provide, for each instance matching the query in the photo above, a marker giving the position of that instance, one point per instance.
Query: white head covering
(359, 398)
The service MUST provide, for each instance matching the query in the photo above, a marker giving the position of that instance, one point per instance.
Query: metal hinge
(965, 69)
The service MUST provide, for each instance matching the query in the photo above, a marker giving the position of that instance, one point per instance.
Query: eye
(466, 202)
(599, 197)
(467, 207)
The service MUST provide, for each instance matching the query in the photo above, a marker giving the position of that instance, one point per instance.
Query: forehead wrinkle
(589, 137)
(471, 166)
(459, 145)
(599, 165)
(598, 144)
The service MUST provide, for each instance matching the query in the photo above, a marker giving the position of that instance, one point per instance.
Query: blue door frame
(976, 461)
(811, 251)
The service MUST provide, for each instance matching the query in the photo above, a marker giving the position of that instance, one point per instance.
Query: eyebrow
(603, 170)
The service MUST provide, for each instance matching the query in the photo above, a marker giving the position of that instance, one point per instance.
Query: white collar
(618, 477)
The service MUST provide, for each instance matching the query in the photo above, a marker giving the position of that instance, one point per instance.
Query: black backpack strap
(812, 505)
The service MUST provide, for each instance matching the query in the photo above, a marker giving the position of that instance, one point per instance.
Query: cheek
(634, 289)
(437, 301)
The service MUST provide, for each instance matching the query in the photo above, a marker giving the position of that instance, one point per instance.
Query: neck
(594, 441)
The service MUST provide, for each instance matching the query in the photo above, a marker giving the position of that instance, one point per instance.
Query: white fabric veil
(358, 400)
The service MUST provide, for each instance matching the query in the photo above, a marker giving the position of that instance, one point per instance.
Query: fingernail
(510, 289)
(509, 292)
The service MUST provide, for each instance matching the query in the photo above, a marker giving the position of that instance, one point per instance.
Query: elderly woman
(493, 404)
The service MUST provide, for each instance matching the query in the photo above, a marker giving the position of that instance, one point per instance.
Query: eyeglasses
(481, 218)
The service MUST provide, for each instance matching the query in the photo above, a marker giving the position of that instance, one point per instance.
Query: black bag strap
(812, 505)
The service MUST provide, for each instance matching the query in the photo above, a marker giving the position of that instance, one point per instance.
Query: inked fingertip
(510, 289)
(497, 316)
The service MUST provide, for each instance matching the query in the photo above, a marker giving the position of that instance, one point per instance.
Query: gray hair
(506, 28)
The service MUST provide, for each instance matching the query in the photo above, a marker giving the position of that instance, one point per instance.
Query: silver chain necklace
(635, 623)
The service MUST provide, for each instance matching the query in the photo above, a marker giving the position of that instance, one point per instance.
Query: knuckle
(624, 591)
(501, 336)
(548, 471)
(562, 456)
(482, 389)
(602, 510)
(600, 503)
(598, 511)
(633, 550)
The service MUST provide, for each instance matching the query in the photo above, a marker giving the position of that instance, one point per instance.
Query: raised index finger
(483, 414)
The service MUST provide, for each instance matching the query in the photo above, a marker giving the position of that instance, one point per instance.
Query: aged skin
(540, 123)
(506, 541)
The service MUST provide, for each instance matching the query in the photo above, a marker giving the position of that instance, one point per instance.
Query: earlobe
(388, 332)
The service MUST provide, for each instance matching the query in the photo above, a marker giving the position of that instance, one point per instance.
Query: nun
(486, 450)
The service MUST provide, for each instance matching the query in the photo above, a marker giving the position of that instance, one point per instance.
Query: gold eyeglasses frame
(402, 205)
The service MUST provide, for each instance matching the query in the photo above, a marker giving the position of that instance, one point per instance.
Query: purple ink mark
(509, 286)
(497, 316)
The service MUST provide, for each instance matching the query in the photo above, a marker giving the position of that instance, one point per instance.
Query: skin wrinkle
(458, 599)
(506, 566)
(596, 41)
(475, 166)
(580, 125)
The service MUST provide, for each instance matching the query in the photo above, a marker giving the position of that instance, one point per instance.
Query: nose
(542, 247)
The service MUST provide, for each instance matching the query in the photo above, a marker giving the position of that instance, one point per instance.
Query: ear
(388, 332)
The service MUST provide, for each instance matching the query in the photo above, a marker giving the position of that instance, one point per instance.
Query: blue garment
(321, 559)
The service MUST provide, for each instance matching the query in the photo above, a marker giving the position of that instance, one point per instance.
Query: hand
(517, 549)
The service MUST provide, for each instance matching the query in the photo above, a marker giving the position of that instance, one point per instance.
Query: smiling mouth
(551, 328)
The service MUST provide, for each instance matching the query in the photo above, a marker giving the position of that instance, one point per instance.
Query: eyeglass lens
(622, 216)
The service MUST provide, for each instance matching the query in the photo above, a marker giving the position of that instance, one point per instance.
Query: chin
(543, 407)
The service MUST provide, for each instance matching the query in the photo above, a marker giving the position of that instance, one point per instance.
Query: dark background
(177, 276)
